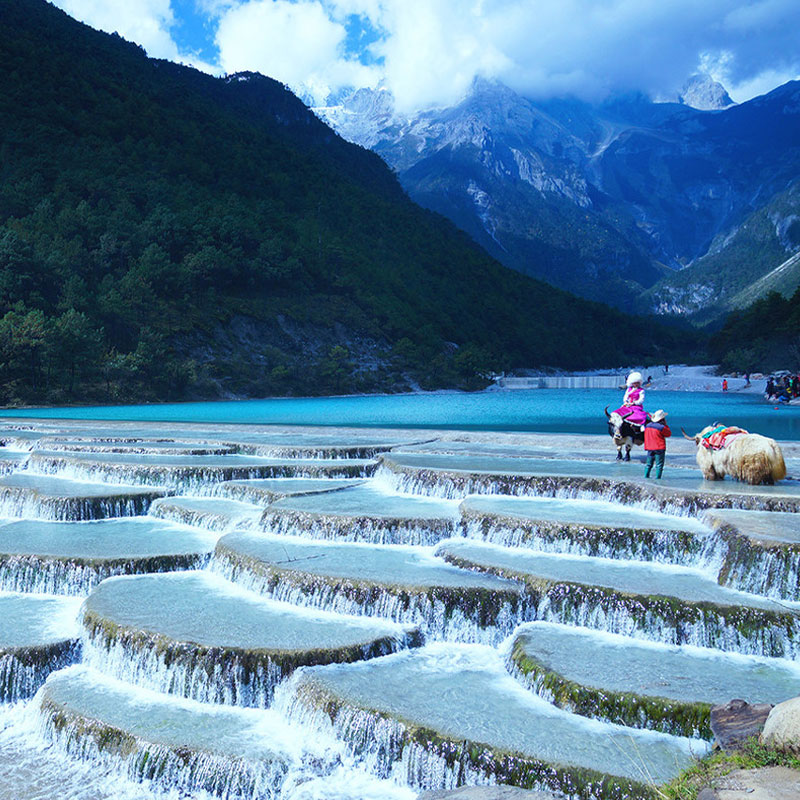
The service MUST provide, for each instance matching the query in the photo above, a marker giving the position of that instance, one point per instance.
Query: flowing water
(210, 611)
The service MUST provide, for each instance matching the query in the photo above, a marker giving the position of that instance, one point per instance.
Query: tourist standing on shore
(656, 433)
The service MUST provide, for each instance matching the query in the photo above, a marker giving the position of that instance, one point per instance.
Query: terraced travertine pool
(278, 614)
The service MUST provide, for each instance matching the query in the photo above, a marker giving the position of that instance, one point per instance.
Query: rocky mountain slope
(735, 271)
(604, 200)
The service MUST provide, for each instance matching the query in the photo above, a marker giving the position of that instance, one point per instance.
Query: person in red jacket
(656, 433)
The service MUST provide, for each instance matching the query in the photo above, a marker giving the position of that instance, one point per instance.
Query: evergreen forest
(764, 337)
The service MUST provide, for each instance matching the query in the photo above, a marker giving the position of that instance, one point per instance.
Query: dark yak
(624, 434)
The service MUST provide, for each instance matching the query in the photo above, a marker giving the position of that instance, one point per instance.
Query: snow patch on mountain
(483, 204)
(683, 301)
(787, 229)
(359, 116)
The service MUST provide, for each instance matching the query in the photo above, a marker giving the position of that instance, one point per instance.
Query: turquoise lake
(569, 411)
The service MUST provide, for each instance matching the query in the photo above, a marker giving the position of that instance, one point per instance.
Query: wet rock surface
(735, 722)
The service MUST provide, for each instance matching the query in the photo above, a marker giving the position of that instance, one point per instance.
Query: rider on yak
(632, 408)
(626, 424)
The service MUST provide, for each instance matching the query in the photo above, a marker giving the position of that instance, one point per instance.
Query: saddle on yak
(717, 437)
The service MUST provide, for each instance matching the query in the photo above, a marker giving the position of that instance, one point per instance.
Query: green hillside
(759, 257)
(763, 337)
(167, 234)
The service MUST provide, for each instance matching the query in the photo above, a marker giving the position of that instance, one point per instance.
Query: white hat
(634, 377)
(658, 415)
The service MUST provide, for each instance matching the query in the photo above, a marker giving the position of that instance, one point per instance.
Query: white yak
(747, 457)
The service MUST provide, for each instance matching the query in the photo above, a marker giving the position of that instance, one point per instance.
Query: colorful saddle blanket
(717, 438)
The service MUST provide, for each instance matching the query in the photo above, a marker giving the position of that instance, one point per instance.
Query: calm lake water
(570, 411)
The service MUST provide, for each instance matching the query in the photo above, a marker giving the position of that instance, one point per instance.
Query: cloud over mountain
(428, 51)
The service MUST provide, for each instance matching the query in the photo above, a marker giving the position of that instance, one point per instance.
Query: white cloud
(370, 9)
(584, 47)
(432, 48)
(429, 51)
(146, 22)
(761, 83)
(432, 51)
(296, 43)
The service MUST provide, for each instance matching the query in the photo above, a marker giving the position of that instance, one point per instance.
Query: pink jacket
(634, 396)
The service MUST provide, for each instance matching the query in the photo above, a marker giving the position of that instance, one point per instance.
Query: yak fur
(749, 457)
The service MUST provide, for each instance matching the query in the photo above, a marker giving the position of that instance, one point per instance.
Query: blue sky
(427, 52)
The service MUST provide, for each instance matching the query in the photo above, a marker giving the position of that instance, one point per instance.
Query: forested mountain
(765, 336)
(164, 233)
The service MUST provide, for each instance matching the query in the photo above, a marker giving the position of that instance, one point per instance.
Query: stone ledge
(767, 783)
(488, 793)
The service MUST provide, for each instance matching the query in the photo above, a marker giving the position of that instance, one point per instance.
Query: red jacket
(655, 435)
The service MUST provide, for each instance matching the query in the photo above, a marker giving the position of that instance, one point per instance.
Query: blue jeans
(655, 457)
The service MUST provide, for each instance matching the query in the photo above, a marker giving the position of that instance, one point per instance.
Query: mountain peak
(704, 93)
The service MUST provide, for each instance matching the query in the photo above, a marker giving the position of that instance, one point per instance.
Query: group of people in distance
(783, 389)
(656, 430)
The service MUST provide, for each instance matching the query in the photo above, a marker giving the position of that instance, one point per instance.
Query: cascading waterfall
(198, 478)
(25, 669)
(20, 504)
(771, 573)
(167, 767)
(646, 496)
(219, 521)
(448, 616)
(215, 675)
(429, 761)
(659, 546)
(41, 575)
(763, 567)
(318, 453)
(206, 677)
(259, 682)
(372, 530)
(377, 744)
(661, 619)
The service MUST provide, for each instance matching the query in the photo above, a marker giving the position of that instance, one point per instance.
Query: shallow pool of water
(571, 411)
(394, 565)
(201, 608)
(134, 537)
(689, 674)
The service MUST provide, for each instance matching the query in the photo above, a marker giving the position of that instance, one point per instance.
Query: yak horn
(686, 436)
(607, 414)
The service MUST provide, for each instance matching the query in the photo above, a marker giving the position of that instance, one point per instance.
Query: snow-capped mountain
(360, 116)
(604, 200)
(702, 92)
